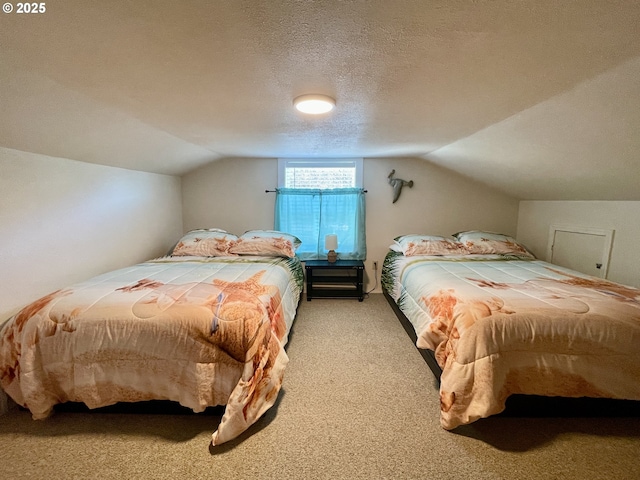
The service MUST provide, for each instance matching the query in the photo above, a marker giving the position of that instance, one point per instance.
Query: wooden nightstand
(342, 278)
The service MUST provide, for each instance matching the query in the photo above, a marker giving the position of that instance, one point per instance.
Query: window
(320, 173)
(319, 197)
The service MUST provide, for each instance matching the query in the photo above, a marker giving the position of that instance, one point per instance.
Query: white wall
(229, 194)
(63, 221)
(440, 203)
(535, 218)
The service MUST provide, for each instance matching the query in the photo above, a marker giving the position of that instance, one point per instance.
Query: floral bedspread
(196, 330)
(500, 327)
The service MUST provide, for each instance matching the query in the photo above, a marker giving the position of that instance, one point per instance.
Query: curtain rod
(274, 191)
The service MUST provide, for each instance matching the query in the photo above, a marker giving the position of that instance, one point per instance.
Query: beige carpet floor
(359, 402)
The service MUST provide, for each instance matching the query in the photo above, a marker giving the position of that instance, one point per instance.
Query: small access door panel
(585, 250)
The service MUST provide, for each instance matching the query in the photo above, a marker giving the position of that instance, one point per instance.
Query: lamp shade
(331, 242)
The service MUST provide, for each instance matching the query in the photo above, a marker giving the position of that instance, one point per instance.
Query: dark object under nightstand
(342, 278)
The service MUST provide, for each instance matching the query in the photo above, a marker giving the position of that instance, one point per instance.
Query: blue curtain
(310, 214)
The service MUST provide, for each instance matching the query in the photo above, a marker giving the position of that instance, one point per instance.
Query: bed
(204, 326)
(492, 321)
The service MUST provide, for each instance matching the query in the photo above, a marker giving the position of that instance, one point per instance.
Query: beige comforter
(199, 331)
(500, 327)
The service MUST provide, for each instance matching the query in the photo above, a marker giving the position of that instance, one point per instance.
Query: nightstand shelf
(341, 279)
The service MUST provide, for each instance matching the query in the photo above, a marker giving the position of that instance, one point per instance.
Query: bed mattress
(196, 330)
(501, 326)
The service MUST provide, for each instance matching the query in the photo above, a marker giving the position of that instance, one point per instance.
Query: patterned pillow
(411, 245)
(480, 242)
(210, 242)
(266, 242)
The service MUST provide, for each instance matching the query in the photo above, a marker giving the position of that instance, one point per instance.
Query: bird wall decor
(397, 184)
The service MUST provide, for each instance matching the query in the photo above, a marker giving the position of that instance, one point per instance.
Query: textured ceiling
(539, 99)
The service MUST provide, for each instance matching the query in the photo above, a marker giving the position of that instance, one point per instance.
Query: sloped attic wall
(63, 221)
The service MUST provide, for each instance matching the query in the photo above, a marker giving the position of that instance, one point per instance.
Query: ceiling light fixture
(314, 104)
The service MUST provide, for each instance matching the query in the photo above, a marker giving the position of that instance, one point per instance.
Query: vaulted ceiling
(539, 99)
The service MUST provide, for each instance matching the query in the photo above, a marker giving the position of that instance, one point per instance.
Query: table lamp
(331, 243)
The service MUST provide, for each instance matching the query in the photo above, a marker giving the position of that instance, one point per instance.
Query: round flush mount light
(314, 104)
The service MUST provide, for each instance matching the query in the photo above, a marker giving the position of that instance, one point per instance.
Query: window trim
(357, 163)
